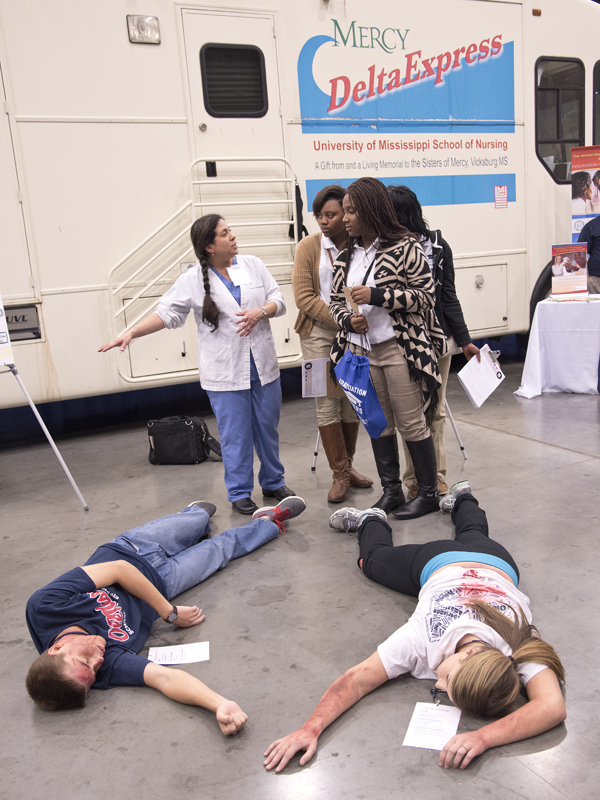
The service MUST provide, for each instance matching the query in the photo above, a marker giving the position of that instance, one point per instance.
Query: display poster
(585, 187)
(396, 98)
(569, 268)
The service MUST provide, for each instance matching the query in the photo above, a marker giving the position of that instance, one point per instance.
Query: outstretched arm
(137, 584)
(151, 324)
(341, 695)
(545, 710)
(185, 688)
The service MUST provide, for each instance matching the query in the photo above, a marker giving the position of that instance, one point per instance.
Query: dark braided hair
(373, 207)
(202, 234)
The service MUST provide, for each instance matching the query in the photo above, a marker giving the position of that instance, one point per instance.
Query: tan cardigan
(305, 282)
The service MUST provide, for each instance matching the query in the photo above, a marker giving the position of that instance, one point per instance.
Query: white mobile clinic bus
(127, 119)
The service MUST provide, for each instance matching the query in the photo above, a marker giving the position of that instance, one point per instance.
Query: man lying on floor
(90, 623)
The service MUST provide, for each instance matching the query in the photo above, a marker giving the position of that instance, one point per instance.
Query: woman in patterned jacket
(391, 283)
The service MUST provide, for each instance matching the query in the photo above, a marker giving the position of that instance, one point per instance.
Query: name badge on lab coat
(239, 275)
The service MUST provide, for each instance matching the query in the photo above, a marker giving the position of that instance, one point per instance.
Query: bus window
(596, 132)
(233, 80)
(559, 113)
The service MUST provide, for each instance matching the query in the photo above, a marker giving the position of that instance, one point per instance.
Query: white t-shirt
(380, 324)
(441, 619)
(329, 253)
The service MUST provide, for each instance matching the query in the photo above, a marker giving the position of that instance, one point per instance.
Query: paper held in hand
(480, 378)
(431, 726)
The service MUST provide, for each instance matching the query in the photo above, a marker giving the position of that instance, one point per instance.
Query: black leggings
(399, 568)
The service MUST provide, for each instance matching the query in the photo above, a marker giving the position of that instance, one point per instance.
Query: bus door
(233, 80)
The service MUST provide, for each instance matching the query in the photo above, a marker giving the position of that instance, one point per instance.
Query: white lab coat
(223, 355)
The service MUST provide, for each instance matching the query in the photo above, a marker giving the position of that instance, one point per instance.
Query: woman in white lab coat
(233, 297)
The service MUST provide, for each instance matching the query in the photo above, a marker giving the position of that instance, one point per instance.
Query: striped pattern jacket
(404, 287)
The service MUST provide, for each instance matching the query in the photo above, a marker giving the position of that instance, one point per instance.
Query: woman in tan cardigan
(313, 272)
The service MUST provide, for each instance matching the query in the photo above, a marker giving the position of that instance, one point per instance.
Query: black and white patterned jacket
(404, 287)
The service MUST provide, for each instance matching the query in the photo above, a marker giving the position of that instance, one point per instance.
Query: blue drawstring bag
(352, 372)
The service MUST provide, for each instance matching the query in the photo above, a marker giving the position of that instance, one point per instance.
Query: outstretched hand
(283, 750)
(462, 749)
(230, 717)
(121, 342)
(188, 616)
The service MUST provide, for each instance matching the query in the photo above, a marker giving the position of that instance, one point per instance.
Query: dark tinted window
(559, 113)
(233, 80)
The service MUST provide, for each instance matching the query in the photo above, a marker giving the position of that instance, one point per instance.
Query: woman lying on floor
(471, 631)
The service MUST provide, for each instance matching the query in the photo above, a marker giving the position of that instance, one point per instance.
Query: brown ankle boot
(350, 430)
(335, 450)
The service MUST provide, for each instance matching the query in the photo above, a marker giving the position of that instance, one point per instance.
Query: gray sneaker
(289, 508)
(210, 508)
(350, 519)
(447, 502)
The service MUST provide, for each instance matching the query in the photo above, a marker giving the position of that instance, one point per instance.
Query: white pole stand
(456, 433)
(13, 369)
(316, 453)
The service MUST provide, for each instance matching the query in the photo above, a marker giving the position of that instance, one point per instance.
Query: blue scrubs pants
(247, 420)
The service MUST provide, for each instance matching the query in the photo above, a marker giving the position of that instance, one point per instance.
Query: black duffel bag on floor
(181, 440)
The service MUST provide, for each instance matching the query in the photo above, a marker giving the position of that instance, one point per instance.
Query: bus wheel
(541, 290)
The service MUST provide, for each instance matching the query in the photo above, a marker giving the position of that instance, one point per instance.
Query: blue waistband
(453, 557)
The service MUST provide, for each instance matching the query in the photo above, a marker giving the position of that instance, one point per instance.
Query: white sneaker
(350, 519)
(447, 502)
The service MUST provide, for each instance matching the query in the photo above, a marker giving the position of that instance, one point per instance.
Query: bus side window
(596, 132)
(559, 113)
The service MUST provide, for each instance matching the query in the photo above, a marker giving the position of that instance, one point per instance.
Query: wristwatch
(264, 313)
(172, 616)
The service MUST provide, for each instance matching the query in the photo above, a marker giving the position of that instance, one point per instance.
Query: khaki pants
(400, 398)
(593, 284)
(329, 410)
(437, 429)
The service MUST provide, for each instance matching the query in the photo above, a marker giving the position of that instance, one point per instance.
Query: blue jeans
(249, 418)
(170, 544)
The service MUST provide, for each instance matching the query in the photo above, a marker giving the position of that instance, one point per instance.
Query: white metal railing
(151, 261)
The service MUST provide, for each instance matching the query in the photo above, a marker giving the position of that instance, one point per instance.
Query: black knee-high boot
(385, 450)
(427, 499)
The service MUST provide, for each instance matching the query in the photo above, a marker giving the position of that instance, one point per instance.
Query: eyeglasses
(434, 693)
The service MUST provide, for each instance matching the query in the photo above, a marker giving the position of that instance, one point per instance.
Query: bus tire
(541, 290)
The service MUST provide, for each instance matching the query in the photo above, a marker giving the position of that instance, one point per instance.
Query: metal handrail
(149, 237)
(147, 286)
(150, 260)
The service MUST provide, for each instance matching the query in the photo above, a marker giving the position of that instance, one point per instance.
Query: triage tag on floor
(431, 726)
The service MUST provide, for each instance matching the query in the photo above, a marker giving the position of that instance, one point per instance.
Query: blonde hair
(487, 684)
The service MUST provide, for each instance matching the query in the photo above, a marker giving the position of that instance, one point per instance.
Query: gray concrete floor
(287, 620)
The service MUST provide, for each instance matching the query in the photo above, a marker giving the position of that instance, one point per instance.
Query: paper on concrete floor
(431, 726)
(179, 653)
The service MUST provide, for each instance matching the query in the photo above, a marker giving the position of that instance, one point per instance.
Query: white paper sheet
(180, 653)
(314, 377)
(480, 378)
(431, 726)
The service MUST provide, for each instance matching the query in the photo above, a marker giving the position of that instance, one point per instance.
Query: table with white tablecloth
(564, 349)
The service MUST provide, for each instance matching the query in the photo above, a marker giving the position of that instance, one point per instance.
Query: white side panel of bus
(16, 282)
